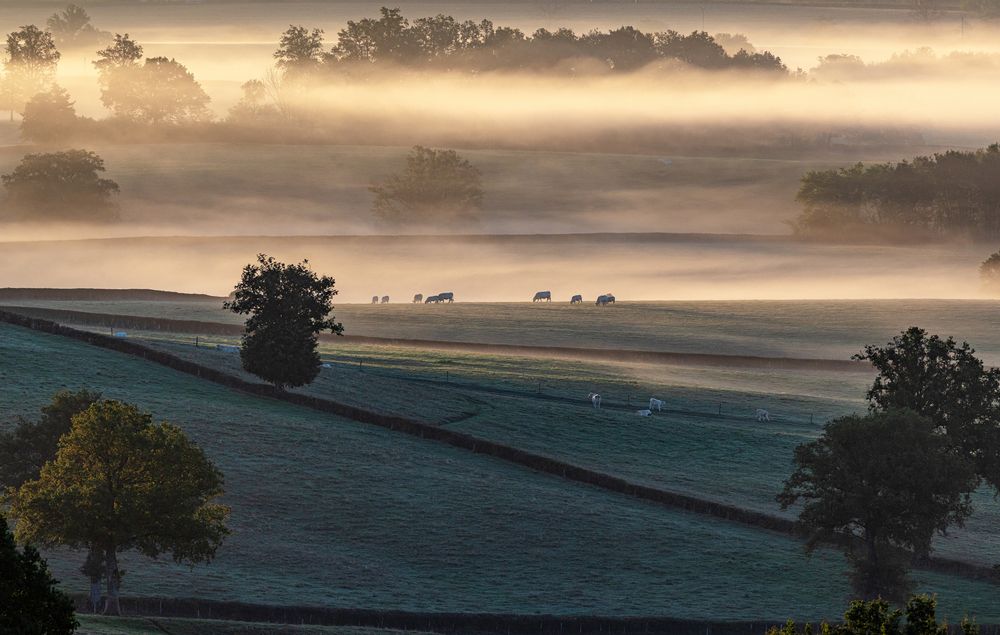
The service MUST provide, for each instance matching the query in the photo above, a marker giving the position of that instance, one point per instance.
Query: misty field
(225, 189)
(390, 521)
(824, 329)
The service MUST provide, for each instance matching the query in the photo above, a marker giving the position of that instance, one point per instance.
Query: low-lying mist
(513, 268)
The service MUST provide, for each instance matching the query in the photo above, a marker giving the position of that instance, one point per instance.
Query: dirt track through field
(536, 462)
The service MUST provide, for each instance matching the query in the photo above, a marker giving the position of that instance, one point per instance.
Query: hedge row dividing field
(628, 550)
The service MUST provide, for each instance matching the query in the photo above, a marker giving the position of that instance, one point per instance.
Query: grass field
(335, 513)
(96, 625)
(826, 329)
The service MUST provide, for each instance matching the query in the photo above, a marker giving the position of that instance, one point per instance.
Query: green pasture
(99, 625)
(331, 512)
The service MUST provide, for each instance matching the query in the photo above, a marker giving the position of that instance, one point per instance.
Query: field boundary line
(477, 445)
(146, 323)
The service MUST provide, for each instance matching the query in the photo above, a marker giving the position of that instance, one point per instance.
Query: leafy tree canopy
(30, 603)
(989, 272)
(436, 186)
(876, 617)
(119, 482)
(32, 444)
(160, 91)
(60, 186)
(889, 479)
(30, 64)
(948, 384)
(954, 192)
(288, 305)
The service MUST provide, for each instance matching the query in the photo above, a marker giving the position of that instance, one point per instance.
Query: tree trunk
(111, 606)
(95, 594)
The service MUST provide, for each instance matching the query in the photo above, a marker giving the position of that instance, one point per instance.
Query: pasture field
(99, 625)
(336, 513)
(824, 329)
(706, 444)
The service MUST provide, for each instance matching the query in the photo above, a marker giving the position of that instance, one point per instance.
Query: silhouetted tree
(30, 603)
(890, 479)
(71, 29)
(123, 52)
(124, 483)
(49, 116)
(436, 186)
(60, 186)
(948, 384)
(288, 305)
(300, 51)
(697, 49)
(161, 91)
(30, 64)
(388, 39)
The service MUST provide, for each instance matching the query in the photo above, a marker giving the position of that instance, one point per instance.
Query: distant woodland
(953, 193)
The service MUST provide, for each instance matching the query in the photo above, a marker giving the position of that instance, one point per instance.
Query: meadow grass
(331, 512)
(100, 625)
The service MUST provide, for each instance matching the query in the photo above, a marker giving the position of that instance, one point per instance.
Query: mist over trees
(952, 193)
(64, 186)
(157, 91)
(71, 29)
(436, 186)
(30, 65)
(443, 43)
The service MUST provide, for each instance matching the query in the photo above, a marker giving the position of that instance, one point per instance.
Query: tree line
(442, 42)
(953, 193)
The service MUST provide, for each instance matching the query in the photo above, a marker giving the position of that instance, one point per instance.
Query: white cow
(577, 299)
(595, 399)
(763, 415)
(542, 296)
(656, 404)
(643, 413)
(417, 299)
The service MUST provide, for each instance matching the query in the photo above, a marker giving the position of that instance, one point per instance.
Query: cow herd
(541, 296)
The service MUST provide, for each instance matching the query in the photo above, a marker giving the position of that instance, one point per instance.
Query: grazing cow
(611, 297)
(595, 399)
(374, 299)
(417, 299)
(763, 415)
(385, 299)
(432, 299)
(577, 299)
(603, 300)
(643, 413)
(656, 404)
(447, 296)
(542, 296)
